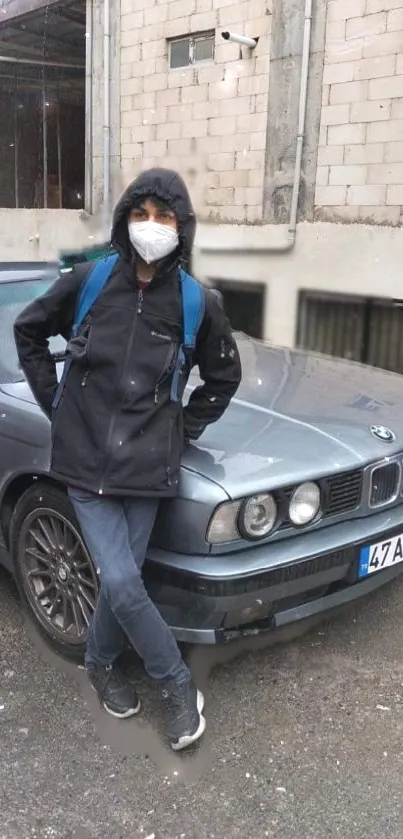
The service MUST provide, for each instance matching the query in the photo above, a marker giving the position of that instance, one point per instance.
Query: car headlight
(304, 504)
(257, 516)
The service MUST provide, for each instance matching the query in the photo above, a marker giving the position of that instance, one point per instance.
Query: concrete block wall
(360, 160)
(208, 121)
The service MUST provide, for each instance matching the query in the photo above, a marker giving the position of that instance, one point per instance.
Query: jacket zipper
(171, 425)
(139, 310)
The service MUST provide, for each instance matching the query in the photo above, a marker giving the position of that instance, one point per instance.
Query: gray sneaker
(184, 705)
(115, 692)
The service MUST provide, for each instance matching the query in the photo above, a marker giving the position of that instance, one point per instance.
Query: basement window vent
(194, 49)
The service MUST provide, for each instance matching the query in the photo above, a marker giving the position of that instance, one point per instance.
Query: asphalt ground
(304, 738)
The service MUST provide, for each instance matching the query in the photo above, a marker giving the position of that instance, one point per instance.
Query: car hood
(296, 416)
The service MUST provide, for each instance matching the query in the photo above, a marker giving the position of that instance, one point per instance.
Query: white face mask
(152, 241)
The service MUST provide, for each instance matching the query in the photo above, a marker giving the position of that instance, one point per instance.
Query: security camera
(240, 39)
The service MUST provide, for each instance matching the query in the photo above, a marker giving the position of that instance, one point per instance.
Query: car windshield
(15, 295)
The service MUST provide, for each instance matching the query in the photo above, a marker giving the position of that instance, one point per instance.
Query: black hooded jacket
(115, 430)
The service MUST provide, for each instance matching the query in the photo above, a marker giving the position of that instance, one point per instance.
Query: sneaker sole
(189, 739)
(131, 712)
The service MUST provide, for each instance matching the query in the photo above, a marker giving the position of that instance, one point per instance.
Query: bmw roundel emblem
(383, 433)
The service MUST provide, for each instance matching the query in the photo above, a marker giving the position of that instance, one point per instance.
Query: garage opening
(42, 101)
(244, 305)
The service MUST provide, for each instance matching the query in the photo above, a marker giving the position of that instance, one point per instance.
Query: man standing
(117, 433)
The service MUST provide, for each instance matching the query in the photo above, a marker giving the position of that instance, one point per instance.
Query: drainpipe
(289, 241)
(306, 45)
(106, 126)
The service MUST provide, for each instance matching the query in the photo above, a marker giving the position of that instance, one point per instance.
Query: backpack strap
(92, 287)
(193, 309)
(90, 290)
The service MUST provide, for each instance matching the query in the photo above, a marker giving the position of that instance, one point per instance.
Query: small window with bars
(193, 49)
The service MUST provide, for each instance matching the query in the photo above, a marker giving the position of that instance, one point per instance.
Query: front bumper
(273, 585)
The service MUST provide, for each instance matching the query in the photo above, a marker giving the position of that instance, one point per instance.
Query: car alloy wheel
(57, 575)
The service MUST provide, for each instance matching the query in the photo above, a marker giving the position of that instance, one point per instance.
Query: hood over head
(164, 185)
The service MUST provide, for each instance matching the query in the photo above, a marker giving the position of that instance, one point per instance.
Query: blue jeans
(116, 532)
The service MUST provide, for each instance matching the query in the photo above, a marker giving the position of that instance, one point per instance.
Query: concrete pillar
(282, 123)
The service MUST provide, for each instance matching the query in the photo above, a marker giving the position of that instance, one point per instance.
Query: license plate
(381, 555)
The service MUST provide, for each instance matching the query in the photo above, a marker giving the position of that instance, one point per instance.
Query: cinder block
(258, 141)
(222, 125)
(203, 22)
(397, 109)
(180, 147)
(126, 103)
(134, 20)
(373, 68)
(235, 13)
(251, 122)
(145, 101)
(179, 8)
(221, 162)
(182, 78)
(394, 195)
(157, 82)
(395, 20)
(322, 176)
(344, 9)
(210, 145)
(255, 177)
(195, 128)
(328, 196)
(387, 44)
(177, 28)
(169, 131)
(157, 14)
(220, 195)
(366, 26)
(390, 130)
(388, 88)
(374, 6)
(195, 93)
(130, 55)
(154, 116)
(347, 175)
(385, 173)
(330, 155)
(370, 111)
(342, 135)
(339, 73)
(344, 51)
(179, 113)
(131, 119)
(130, 86)
(157, 148)
(335, 114)
(366, 195)
(167, 97)
(131, 150)
(234, 178)
(399, 64)
(235, 142)
(247, 196)
(253, 85)
(394, 152)
(369, 153)
(348, 92)
(249, 160)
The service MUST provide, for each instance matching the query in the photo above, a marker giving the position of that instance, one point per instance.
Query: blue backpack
(193, 308)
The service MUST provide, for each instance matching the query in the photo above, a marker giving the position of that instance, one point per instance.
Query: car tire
(54, 572)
